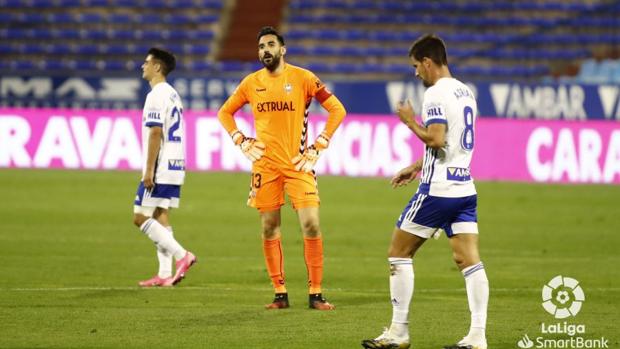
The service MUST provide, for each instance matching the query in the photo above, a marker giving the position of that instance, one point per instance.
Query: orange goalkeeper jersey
(279, 105)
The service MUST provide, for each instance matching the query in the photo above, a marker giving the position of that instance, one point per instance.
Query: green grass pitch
(70, 259)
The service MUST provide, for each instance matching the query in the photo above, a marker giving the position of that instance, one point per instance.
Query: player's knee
(464, 260)
(400, 251)
(310, 228)
(139, 219)
(458, 258)
(271, 229)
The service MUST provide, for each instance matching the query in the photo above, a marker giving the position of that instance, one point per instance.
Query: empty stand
(516, 40)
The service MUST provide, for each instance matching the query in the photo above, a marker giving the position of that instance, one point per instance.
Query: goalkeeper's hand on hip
(252, 148)
(305, 161)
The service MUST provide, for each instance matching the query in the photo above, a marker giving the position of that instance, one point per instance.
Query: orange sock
(313, 253)
(272, 249)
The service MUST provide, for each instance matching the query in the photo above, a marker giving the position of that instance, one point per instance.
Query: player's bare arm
(433, 136)
(406, 175)
(155, 135)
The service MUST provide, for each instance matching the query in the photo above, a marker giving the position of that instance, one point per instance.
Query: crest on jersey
(288, 88)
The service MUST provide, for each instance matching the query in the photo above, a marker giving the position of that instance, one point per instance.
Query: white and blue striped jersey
(445, 171)
(163, 108)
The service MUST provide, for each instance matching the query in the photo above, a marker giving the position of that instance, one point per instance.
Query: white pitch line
(204, 288)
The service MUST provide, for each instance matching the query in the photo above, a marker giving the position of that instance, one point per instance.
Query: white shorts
(424, 215)
(162, 195)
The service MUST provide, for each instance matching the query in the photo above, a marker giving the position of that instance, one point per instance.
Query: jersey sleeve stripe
(436, 121)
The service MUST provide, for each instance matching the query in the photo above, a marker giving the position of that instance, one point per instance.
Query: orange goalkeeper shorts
(269, 183)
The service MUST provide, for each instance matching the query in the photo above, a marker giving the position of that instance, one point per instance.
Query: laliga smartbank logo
(562, 297)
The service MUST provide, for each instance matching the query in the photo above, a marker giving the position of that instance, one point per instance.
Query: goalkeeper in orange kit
(283, 161)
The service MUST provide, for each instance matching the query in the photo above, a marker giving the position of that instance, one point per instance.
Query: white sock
(165, 260)
(162, 237)
(477, 286)
(401, 292)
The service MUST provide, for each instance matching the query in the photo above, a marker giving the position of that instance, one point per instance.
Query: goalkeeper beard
(271, 62)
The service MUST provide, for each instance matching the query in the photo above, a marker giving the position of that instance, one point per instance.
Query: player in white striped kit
(446, 197)
(163, 169)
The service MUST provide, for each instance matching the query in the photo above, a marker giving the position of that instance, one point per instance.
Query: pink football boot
(155, 281)
(183, 266)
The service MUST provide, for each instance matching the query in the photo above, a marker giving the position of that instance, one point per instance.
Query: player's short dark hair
(430, 46)
(165, 58)
(270, 31)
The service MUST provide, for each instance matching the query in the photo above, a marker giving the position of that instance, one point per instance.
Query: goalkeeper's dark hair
(165, 58)
(430, 46)
(270, 31)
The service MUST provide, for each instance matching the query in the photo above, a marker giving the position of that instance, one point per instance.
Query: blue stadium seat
(179, 19)
(16, 34)
(66, 34)
(142, 48)
(199, 65)
(115, 65)
(93, 34)
(327, 34)
(345, 68)
(30, 18)
(12, 3)
(323, 51)
(84, 64)
(318, 67)
(203, 19)
(60, 17)
(228, 66)
(354, 35)
(53, 65)
(148, 18)
(120, 49)
(41, 34)
(7, 48)
(123, 34)
(96, 3)
(383, 35)
(372, 68)
(196, 49)
(375, 51)
(6, 17)
(152, 34)
(294, 50)
(22, 65)
(59, 49)
(42, 4)
(294, 35)
(202, 35)
(69, 3)
(125, 3)
(89, 18)
(87, 49)
(351, 51)
(120, 18)
(32, 49)
(397, 68)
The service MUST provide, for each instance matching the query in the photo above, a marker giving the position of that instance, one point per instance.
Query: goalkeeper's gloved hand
(306, 161)
(253, 149)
